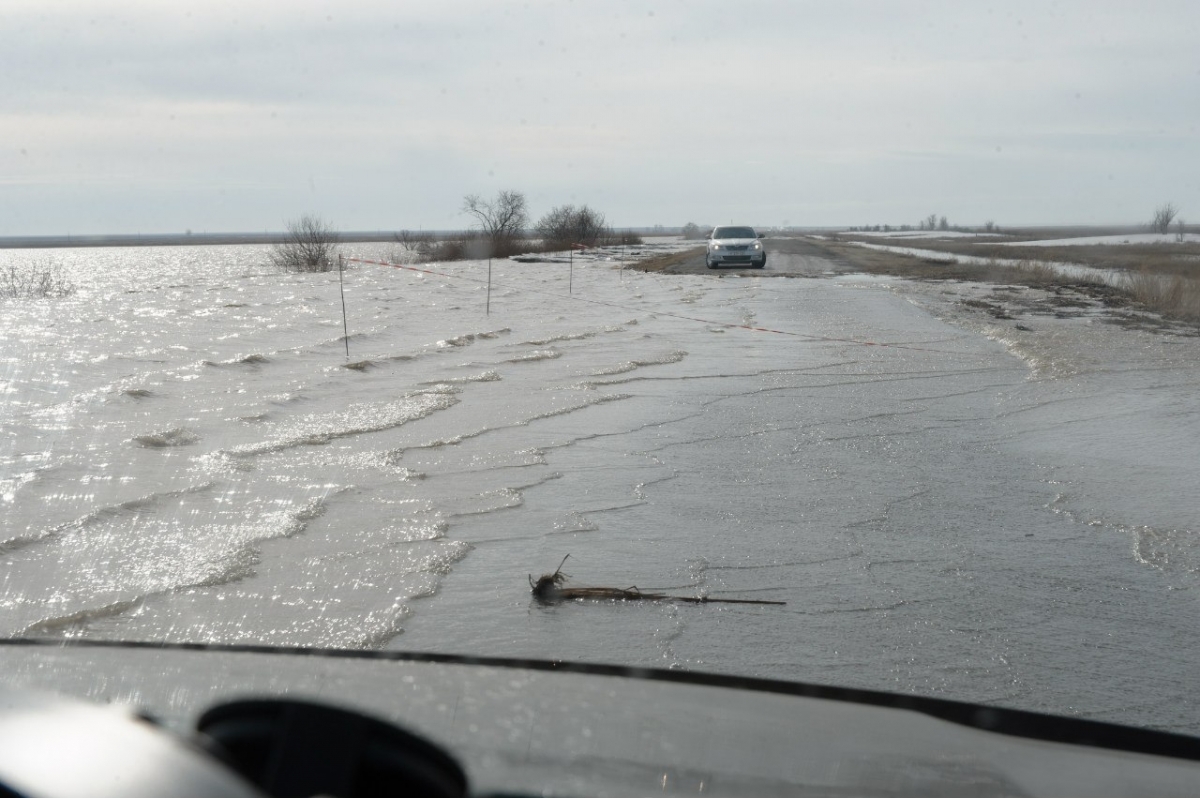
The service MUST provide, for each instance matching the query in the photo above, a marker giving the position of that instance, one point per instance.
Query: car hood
(555, 728)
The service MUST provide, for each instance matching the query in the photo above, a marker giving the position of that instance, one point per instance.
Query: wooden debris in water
(549, 588)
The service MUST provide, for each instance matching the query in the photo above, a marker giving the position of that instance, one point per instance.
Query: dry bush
(566, 225)
(36, 280)
(1038, 272)
(1033, 273)
(1174, 295)
(310, 246)
(458, 248)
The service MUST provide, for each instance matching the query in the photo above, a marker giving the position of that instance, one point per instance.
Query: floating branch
(549, 588)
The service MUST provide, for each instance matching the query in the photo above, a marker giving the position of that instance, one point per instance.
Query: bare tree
(1163, 216)
(1180, 231)
(693, 231)
(930, 222)
(501, 220)
(310, 246)
(567, 225)
(943, 224)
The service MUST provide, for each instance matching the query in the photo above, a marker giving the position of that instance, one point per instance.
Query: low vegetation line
(1183, 258)
(1149, 288)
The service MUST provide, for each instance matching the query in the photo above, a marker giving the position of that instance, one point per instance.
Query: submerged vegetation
(34, 280)
(310, 246)
(502, 229)
(501, 221)
(567, 226)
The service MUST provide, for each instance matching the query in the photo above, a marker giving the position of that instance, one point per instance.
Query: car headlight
(715, 246)
(757, 245)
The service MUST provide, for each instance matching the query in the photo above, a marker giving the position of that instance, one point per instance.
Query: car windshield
(393, 327)
(733, 232)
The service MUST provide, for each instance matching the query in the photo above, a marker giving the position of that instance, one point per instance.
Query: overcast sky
(128, 117)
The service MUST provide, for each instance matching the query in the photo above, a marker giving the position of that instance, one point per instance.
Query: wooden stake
(342, 291)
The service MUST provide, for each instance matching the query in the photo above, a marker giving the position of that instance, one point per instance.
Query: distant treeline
(173, 239)
(211, 239)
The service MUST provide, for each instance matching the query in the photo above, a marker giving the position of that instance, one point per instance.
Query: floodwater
(188, 454)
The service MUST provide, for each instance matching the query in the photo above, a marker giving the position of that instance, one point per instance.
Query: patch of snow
(1132, 238)
(1073, 270)
(927, 234)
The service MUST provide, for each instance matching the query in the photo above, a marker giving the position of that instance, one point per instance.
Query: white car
(735, 246)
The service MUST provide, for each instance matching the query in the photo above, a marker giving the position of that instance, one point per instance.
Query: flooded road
(909, 502)
(947, 508)
(790, 257)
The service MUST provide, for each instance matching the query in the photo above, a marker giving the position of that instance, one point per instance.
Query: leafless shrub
(34, 280)
(502, 221)
(405, 250)
(1180, 231)
(692, 231)
(412, 247)
(1038, 272)
(310, 246)
(1163, 216)
(567, 225)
